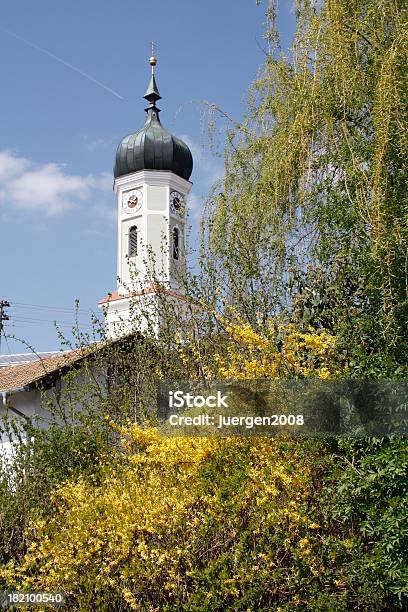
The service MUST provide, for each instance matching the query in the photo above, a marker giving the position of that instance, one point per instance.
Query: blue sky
(60, 131)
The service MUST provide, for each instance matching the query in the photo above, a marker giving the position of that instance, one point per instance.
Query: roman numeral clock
(132, 201)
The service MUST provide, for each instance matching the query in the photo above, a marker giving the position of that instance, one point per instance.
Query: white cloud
(102, 181)
(46, 189)
(49, 190)
(11, 165)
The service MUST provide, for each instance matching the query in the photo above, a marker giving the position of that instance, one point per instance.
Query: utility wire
(17, 319)
(22, 317)
(59, 325)
(48, 307)
(30, 322)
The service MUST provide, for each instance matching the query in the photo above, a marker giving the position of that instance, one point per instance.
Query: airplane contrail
(59, 59)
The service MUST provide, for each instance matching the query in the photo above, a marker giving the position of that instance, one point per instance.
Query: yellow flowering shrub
(193, 523)
(98, 532)
(182, 523)
(278, 351)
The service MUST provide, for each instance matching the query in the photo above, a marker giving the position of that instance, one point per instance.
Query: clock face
(132, 201)
(177, 203)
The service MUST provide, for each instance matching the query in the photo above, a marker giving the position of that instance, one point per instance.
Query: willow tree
(311, 219)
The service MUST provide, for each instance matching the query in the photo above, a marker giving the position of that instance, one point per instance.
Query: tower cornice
(152, 177)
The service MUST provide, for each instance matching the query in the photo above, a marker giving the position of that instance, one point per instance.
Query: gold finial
(153, 59)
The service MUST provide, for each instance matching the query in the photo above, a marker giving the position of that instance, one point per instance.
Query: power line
(28, 323)
(17, 321)
(48, 307)
(75, 322)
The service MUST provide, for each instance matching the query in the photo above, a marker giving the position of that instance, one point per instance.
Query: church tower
(152, 171)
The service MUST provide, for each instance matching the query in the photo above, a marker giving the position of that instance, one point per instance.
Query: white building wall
(33, 405)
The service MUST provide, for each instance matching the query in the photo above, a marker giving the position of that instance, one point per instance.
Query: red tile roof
(16, 376)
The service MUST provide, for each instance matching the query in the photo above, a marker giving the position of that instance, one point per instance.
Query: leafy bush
(205, 524)
(372, 495)
(28, 479)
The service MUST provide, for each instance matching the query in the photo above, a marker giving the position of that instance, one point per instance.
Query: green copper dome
(153, 147)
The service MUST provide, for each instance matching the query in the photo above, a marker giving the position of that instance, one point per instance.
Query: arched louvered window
(132, 250)
(176, 243)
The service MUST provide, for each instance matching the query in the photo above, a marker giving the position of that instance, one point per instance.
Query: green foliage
(213, 525)
(311, 218)
(38, 465)
(372, 494)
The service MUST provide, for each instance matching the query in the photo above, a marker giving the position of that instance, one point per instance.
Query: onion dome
(153, 147)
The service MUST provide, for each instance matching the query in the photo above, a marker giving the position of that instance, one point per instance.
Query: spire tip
(153, 59)
(152, 94)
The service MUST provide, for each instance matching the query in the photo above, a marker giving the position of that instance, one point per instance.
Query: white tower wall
(155, 219)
